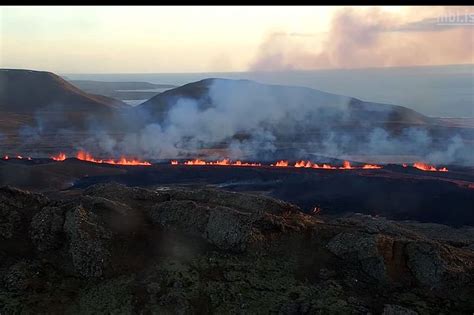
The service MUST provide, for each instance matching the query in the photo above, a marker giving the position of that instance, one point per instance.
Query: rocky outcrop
(89, 242)
(16, 208)
(47, 228)
(202, 250)
(389, 251)
(362, 248)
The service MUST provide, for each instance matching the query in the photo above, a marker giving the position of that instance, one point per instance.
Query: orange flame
(306, 164)
(280, 164)
(283, 163)
(84, 156)
(326, 167)
(429, 168)
(195, 162)
(59, 157)
(371, 166)
(346, 165)
(240, 163)
(224, 162)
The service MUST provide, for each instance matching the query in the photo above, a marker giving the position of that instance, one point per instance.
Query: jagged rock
(20, 199)
(425, 263)
(115, 215)
(374, 225)
(17, 207)
(47, 228)
(103, 236)
(184, 215)
(362, 248)
(147, 251)
(397, 310)
(89, 242)
(21, 276)
(242, 202)
(225, 219)
(10, 221)
(228, 229)
(127, 195)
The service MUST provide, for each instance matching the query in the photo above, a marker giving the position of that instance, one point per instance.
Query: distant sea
(440, 91)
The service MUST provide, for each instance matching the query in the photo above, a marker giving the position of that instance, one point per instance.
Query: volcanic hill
(287, 96)
(30, 91)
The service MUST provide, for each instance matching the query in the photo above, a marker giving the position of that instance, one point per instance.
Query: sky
(141, 39)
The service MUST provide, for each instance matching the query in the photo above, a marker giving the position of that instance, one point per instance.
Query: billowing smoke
(371, 37)
(247, 120)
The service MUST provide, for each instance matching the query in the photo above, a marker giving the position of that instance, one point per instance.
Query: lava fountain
(429, 168)
(59, 157)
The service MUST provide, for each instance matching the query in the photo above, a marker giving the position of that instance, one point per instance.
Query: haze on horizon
(138, 39)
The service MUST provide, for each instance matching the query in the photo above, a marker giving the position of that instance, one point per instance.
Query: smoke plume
(361, 38)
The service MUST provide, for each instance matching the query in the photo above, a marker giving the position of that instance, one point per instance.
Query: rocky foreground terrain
(114, 249)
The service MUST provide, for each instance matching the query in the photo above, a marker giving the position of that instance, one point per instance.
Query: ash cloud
(361, 38)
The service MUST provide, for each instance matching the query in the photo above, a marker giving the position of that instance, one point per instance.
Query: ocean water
(438, 91)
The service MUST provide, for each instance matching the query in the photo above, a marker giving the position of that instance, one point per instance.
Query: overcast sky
(205, 39)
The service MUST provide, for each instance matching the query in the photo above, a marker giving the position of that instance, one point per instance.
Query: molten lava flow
(424, 167)
(326, 167)
(60, 157)
(195, 162)
(224, 162)
(306, 164)
(346, 165)
(280, 164)
(430, 168)
(84, 156)
(371, 166)
(240, 163)
(283, 163)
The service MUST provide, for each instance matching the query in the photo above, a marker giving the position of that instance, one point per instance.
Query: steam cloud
(253, 121)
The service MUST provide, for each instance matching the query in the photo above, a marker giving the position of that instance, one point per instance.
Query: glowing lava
(429, 168)
(283, 163)
(224, 162)
(346, 165)
(195, 162)
(280, 164)
(306, 164)
(84, 156)
(371, 167)
(59, 157)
